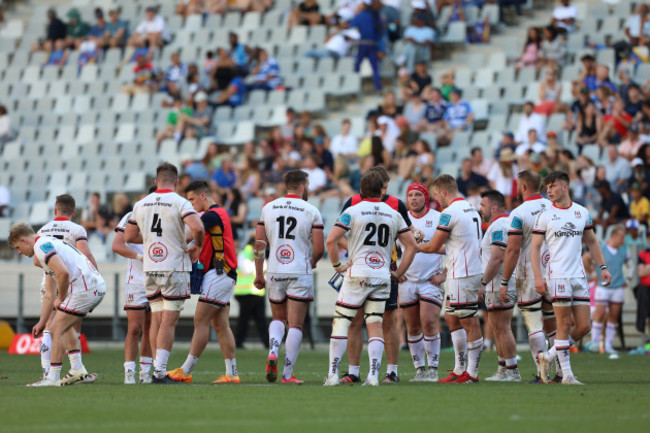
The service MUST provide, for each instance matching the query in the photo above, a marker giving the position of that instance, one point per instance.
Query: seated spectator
(612, 203)
(77, 30)
(634, 26)
(178, 107)
(304, 127)
(531, 50)
(289, 125)
(151, 32)
(337, 45)
(121, 206)
(564, 16)
(223, 70)
(237, 209)
(196, 169)
(469, 176)
(215, 6)
(630, 147)
(344, 143)
(601, 78)
(414, 111)
(530, 120)
(549, 93)
(144, 78)
(233, 95)
(418, 42)
(118, 30)
(502, 175)
(420, 78)
(553, 49)
(447, 83)
(306, 13)
(639, 205)
(225, 176)
(6, 133)
(197, 125)
(88, 54)
(458, 117)
(457, 12)
(588, 72)
(423, 11)
(388, 107)
(589, 124)
(391, 17)
(325, 159)
(99, 29)
(614, 125)
(480, 165)
(317, 176)
(633, 99)
(436, 106)
(58, 56)
(250, 178)
(5, 201)
(238, 52)
(640, 174)
(96, 217)
(378, 155)
(175, 74)
(56, 31)
(266, 75)
(617, 169)
(319, 135)
(507, 142)
(552, 145)
(532, 143)
(604, 100)
(186, 8)
(388, 132)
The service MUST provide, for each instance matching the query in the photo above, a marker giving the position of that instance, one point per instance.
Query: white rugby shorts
(135, 297)
(463, 292)
(355, 291)
(526, 293)
(82, 303)
(411, 292)
(568, 291)
(297, 287)
(605, 295)
(217, 289)
(172, 286)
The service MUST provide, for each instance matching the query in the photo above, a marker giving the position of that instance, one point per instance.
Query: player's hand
(481, 293)
(419, 235)
(342, 269)
(541, 287)
(260, 282)
(194, 252)
(503, 294)
(57, 302)
(606, 277)
(437, 279)
(38, 329)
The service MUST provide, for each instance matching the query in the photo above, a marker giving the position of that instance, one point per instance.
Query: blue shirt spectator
(459, 112)
(115, 24)
(267, 74)
(369, 25)
(225, 176)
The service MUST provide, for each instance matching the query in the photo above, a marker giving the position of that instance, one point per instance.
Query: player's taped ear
(343, 317)
(532, 320)
(374, 311)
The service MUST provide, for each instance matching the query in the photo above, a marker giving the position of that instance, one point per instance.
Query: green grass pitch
(615, 399)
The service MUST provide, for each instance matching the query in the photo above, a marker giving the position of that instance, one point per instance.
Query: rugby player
(563, 227)
(459, 229)
(78, 289)
(219, 260)
(493, 246)
(290, 227)
(373, 227)
(158, 222)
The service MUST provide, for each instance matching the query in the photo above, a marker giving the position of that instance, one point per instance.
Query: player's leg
(488, 331)
(373, 314)
(507, 347)
(430, 320)
(598, 319)
(156, 320)
(165, 338)
(354, 348)
(391, 335)
(550, 328)
(415, 338)
(146, 353)
(500, 374)
(221, 324)
(466, 310)
(276, 335)
(459, 341)
(60, 326)
(612, 325)
(46, 346)
(135, 326)
(530, 305)
(203, 316)
(296, 315)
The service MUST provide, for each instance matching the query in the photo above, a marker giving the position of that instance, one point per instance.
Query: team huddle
(530, 258)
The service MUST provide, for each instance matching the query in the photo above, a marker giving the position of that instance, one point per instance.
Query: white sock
(432, 347)
(160, 364)
(596, 332)
(46, 352)
(563, 352)
(145, 364)
(276, 334)
(511, 364)
(459, 340)
(354, 369)
(474, 349)
(416, 346)
(55, 372)
(292, 347)
(375, 352)
(551, 339)
(610, 333)
(129, 367)
(231, 367)
(75, 360)
(551, 342)
(337, 349)
(502, 364)
(189, 364)
(391, 368)
(537, 344)
(487, 343)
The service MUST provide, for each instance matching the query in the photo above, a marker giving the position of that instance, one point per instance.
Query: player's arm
(318, 248)
(132, 233)
(535, 251)
(62, 277)
(597, 254)
(82, 246)
(497, 255)
(435, 245)
(120, 247)
(410, 248)
(343, 243)
(198, 230)
(259, 251)
(510, 260)
(332, 247)
(46, 306)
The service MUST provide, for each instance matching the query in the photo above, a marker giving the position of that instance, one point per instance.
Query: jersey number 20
(382, 233)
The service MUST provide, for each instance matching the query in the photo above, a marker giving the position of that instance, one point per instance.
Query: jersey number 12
(291, 223)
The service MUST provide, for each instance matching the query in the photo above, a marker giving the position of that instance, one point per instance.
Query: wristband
(483, 283)
(337, 265)
(504, 282)
(138, 256)
(603, 267)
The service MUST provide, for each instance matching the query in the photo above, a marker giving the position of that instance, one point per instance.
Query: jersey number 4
(382, 233)
(291, 223)
(156, 225)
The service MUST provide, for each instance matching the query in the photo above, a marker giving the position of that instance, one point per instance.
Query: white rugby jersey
(288, 222)
(495, 234)
(425, 266)
(463, 223)
(65, 230)
(83, 275)
(160, 219)
(522, 220)
(134, 272)
(373, 227)
(563, 230)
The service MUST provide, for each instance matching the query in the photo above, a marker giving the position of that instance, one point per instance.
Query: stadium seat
(135, 182)
(39, 214)
(244, 131)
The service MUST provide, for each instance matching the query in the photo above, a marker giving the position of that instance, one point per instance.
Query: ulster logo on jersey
(375, 260)
(284, 254)
(157, 252)
(428, 224)
(578, 214)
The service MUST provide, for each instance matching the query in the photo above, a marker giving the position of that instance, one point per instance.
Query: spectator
(337, 45)
(601, 78)
(238, 53)
(325, 159)
(88, 54)
(588, 72)
(418, 42)
(144, 78)
(250, 178)
(617, 169)
(121, 206)
(317, 176)
(320, 136)
(196, 169)
(614, 125)
(96, 217)
(306, 13)
(436, 106)
(344, 144)
(644, 122)
(266, 75)
(388, 107)
(118, 30)
(549, 93)
(632, 238)
(186, 8)
(388, 132)
(502, 175)
(530, 120)
(225, 176)
(420, 78)
(223, 70)
(287, 129)
(368, 22)
(480, 165)
(414, 111)
(553, 49)
(633, 99)
(392, 20)
(531, 50)
(640, 175)
(175, 74)
(447, 83)
(378, 155)
(422, 10)
(5, 201)
(639, 205)
(635, 25)
(179, 107)
(589, 124)
(532, 143)
(77, 30)
(507, 142)
(612, 203)
(59, 55)
(424, 162)
(151, 32)
(630, 147)
(233, 95)
(237, 209)
(468, 176)
(304, 124)
(99, 29)
(458, 116)
(6, 133)
(197, 125)
(55, 31)
(564, 16)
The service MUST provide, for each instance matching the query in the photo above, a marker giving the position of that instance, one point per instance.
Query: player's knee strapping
(548, 314)
(374, 311)
(342, 318)
(463, 311)
(156, 307)
(173, 304)
(533, 318)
